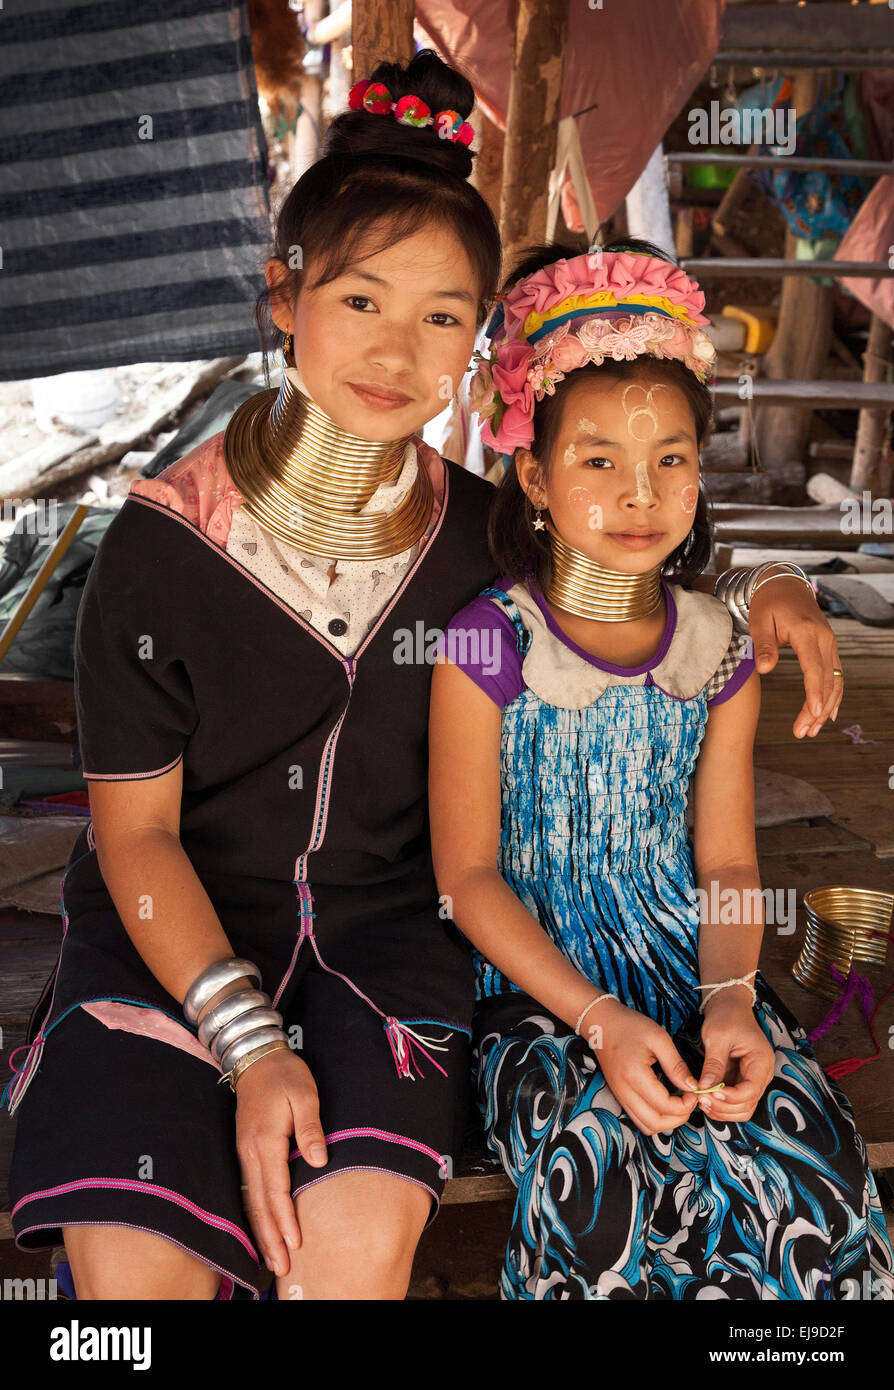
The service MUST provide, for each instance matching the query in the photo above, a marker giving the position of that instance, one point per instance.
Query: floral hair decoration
(617, 304)
(375, 97)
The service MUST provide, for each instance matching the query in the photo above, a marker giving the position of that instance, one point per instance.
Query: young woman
(560, 773)
(257, 866)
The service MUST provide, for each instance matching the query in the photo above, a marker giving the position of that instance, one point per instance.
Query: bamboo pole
(803, 335)
(872, 423)
(381, 32)
(532, 120)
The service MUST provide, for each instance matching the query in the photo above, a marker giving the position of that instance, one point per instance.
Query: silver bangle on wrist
(246, 1025)
(212, 981)
(227, 1010)
(247, 1043)
(736, 588)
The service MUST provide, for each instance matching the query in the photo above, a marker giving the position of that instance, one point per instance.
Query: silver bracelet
(592, 1004)
(736, 588)
(791, 572)
(241, 1027)
(228, 1009)
(247, 1043)
(212, 981)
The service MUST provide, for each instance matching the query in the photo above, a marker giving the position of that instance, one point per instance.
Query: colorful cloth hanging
(134, 214)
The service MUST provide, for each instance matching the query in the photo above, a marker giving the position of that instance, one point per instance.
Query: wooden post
(487, 172)
(532, 119)
(381, 32)
(803, 335)
(871, 424)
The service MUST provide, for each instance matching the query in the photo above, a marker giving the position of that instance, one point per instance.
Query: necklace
(581, 586)
(305, 480)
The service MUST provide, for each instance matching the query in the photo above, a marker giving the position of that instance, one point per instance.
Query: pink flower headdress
(618, 304)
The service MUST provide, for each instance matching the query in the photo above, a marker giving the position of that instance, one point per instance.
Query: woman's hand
(784, 613)
(737, 1053)
(629, 1044)
(276, 1098)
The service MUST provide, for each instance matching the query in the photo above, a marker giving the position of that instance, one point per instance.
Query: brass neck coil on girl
(579, 585)
(304, 479)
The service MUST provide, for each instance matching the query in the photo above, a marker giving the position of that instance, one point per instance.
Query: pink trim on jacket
(367, 1132)
(149, 1189)
(226, 1275)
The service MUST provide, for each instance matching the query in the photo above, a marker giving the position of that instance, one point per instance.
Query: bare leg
(358, 1237)
(118, 1263)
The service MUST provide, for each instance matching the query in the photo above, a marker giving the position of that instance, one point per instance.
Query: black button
(338, 627)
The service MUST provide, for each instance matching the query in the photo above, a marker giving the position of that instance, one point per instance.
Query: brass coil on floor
(845, 928)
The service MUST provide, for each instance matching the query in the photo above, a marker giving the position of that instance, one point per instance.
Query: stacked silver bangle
(240, 1023)
(736, 588)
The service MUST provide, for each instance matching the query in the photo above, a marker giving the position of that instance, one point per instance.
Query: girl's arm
(784, 613)
(464, 807)
(171, 921)
(726, 872)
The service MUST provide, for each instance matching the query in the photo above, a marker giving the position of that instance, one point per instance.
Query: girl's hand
(630, 1045)
(785, 613)
(275, 1099)
(737, 1053)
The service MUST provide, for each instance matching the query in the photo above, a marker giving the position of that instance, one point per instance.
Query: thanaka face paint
(642, 418)
(570, 456)
(643, 485)
(689, 498)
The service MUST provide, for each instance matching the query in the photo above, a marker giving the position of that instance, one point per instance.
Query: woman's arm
(464, 807)
(172, 923)
(785, 613)
(727, 875)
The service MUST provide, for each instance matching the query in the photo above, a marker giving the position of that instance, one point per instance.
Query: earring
(288, 355)
(539, 523)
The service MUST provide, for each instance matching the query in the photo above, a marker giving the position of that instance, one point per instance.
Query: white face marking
(643, 485)
(689, 498)
(642, 418)
(585, 424)
(570, 456)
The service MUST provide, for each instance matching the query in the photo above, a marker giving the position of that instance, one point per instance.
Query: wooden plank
(817, 395)
(782, 162)
(764, 267)
(37, 709)
(789, 27)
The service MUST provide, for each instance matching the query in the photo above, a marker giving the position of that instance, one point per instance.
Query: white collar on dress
(560, 677)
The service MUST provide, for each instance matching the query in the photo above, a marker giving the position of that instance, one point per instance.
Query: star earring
(539, 523)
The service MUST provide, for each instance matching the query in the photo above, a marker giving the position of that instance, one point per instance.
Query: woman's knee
(358, 1238)
(115, 1262)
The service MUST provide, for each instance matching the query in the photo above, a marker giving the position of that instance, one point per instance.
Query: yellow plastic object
(760, 327)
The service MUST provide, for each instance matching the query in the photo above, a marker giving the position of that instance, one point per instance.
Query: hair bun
(439, 86)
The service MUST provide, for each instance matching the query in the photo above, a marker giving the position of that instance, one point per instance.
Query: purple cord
(854, 984)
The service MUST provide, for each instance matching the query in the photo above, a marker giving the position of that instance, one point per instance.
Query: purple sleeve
(481, 641)
(735, 682)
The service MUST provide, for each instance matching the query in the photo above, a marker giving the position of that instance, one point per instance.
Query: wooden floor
(856, 846)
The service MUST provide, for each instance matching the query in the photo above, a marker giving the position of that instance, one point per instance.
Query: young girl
(659, 1110)
(254, 896)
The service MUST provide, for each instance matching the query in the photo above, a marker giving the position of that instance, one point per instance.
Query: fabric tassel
(402, 1039)
(16, 1088)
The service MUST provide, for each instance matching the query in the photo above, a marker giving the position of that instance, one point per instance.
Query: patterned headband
(375, 97)
(617, 304)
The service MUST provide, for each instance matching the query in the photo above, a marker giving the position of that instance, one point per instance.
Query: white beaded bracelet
(727, 984)
(592, 1004)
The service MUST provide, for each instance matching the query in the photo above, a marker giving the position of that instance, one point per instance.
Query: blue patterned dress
(594, 842)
